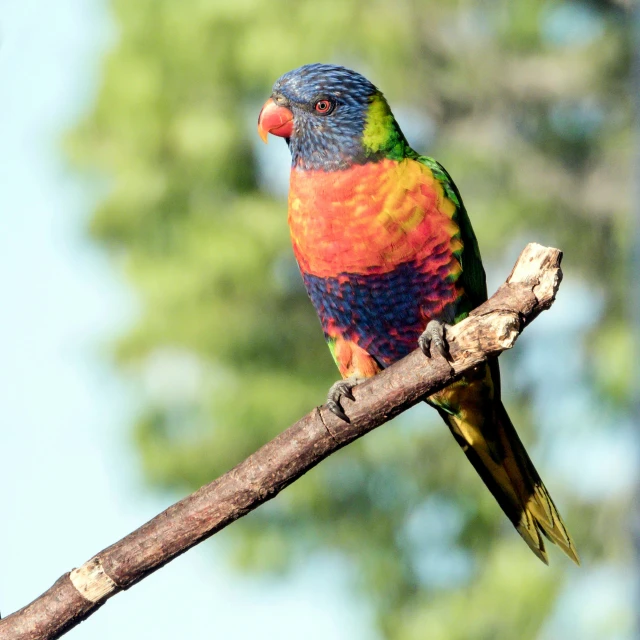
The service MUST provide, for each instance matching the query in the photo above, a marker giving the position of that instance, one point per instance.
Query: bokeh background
(155, 330)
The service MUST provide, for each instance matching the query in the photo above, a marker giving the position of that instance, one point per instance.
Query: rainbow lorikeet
(389, 258)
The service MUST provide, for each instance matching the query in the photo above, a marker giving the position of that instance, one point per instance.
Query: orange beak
(275, 120)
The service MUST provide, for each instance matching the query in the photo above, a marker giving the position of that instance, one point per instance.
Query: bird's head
(331, 118)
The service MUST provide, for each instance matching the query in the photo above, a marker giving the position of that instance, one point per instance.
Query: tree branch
(489, 330)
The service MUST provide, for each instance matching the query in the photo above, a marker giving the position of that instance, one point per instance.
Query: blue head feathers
(331, 107)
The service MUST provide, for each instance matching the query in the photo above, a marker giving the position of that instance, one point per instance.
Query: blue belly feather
(383, 313)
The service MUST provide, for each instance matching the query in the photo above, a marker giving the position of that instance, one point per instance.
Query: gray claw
(336, 409)
(341, 389)
(434, 335)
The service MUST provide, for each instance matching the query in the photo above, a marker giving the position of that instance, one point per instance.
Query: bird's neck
(382, 137)
(326, 152)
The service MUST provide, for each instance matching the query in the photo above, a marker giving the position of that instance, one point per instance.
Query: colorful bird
(389, 259)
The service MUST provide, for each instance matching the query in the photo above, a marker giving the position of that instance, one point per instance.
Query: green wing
(473, 278)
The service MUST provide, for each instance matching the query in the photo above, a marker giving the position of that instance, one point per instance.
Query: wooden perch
(489, 330)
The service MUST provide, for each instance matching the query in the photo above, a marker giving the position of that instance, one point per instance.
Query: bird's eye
(324, 107)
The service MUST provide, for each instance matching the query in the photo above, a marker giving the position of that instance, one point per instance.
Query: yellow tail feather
(483, 429)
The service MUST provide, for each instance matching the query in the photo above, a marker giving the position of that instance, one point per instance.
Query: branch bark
(490, 329)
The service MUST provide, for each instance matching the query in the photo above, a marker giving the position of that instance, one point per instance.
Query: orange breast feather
(370, 218)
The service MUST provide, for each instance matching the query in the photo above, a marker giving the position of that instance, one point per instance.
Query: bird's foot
(434, 335)
(339, 390)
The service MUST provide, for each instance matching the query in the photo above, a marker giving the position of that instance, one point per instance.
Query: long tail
(497, 454)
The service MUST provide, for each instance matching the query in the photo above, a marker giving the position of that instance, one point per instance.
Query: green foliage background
(531, 112)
